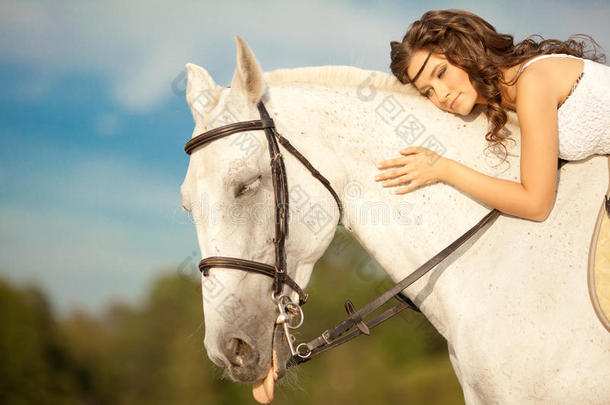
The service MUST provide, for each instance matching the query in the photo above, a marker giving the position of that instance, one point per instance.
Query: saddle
(598, 270)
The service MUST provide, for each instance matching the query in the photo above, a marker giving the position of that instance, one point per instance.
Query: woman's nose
(444, 95)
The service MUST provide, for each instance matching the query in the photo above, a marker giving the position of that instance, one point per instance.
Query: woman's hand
(418, 166)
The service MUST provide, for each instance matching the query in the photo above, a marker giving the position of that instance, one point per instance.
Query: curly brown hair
(470, 42)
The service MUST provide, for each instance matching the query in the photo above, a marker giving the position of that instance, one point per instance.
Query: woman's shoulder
(559, 71)
(526, 84)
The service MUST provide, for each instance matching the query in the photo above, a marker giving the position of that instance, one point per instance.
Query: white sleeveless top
(583, 120)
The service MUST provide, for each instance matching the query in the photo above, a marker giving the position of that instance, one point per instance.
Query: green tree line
(153, 353)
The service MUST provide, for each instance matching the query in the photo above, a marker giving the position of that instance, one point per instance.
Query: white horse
(512, 302)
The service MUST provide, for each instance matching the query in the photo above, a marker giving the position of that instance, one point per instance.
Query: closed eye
(248, 187)
(440, 73)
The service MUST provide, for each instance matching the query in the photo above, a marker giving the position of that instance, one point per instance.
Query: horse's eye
(248, 186)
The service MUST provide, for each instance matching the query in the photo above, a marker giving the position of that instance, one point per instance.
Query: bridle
(280, 187)
(287, 309)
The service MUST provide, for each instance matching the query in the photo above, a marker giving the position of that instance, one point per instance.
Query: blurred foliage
(153, 354)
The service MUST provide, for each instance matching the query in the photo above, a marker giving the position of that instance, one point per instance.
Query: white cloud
(140, 47)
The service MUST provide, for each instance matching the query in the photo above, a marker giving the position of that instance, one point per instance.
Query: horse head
(229, 191)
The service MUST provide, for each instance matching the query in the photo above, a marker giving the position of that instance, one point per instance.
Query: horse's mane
(338, 75)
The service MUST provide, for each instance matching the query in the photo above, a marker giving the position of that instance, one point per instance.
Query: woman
(458, 60)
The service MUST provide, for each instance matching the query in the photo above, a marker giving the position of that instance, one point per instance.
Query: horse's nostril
(239, 353)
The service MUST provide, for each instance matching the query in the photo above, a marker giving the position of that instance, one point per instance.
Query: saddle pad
(599, 273)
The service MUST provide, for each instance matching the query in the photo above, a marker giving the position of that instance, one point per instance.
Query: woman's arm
(507, 196)
(533, 197)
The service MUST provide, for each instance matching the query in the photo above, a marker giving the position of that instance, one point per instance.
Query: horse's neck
(345, 137)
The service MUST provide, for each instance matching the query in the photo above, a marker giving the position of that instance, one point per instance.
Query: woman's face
(447, 86)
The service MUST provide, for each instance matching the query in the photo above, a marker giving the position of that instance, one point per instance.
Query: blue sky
(94, 118)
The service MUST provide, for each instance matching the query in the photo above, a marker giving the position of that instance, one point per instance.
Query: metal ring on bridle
(300, 315)
(303, 355)
(287, 308)
(274, 298)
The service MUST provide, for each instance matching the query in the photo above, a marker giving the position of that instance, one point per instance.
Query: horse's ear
(202, 92)
(248, 77)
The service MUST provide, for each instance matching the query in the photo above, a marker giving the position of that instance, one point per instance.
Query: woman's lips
(454, 101)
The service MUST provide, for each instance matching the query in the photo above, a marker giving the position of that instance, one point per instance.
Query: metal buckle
(326, 337)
